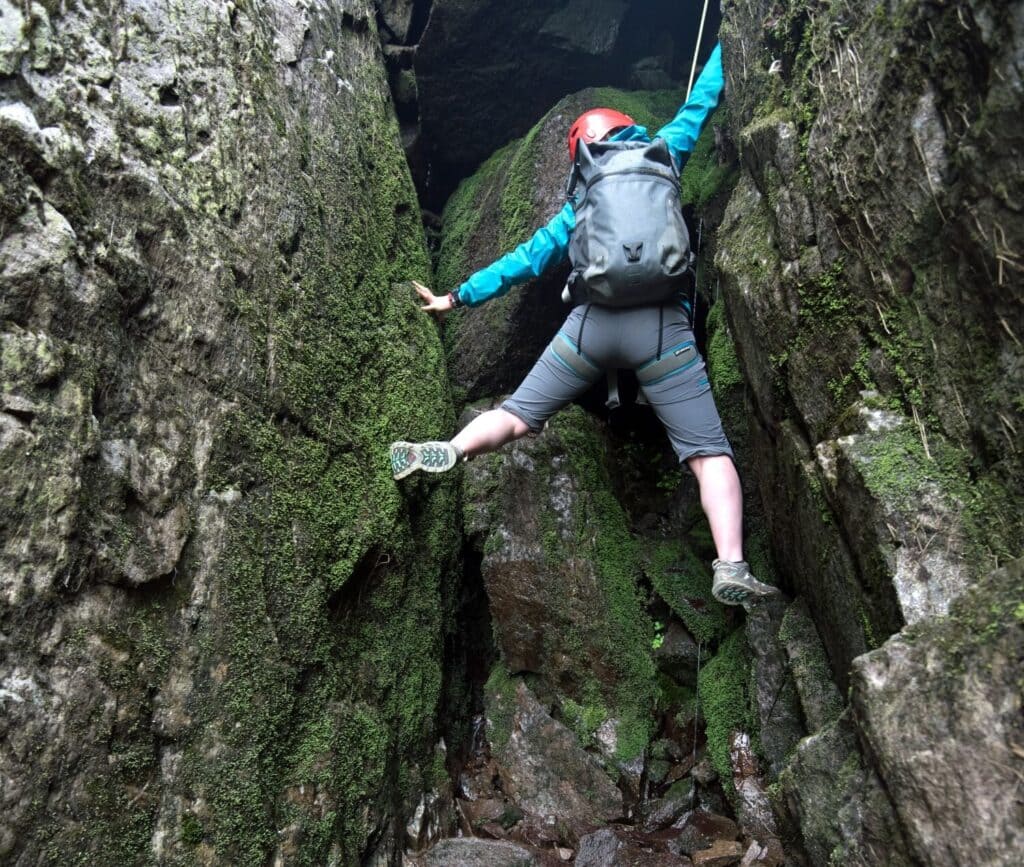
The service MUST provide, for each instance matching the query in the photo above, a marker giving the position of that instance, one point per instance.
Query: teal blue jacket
(550, 244)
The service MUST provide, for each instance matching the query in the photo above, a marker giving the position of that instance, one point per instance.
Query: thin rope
(696, 49)
(696, 717)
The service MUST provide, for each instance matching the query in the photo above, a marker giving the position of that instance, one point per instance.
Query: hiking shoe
(734, 585)
(429, 457)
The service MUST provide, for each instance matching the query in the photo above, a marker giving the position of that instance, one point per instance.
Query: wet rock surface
(821, 313)
(470, 852)
(543, 769)
(558, 563)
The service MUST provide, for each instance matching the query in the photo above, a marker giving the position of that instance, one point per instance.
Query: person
(595, 338)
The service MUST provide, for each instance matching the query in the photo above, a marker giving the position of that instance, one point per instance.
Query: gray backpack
(630, 245)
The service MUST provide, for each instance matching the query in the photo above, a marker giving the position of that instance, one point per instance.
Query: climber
(654, 339)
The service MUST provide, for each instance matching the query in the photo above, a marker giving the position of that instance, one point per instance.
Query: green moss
(649, 108)
(810, 664)
(603, 524)
(518, 211)
(870, 634)
(727, 383)
(990, 611)
(191, 830)
(674, 697)
(899, 470)
(327, 646)
(703, 177)
(585, 719)
(684, 582)
(722, 689)
(500, 690)
(723, 364)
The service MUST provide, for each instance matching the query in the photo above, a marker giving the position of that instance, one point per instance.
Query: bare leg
(489, 431)
(722, 499)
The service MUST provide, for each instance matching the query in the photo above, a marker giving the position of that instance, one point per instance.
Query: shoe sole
(401, 465)
(433, 457)
(738, 593)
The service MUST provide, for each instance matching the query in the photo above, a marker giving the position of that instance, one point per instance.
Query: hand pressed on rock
(435, 303)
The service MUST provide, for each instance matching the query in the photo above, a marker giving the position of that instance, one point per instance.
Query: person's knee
(701, 464)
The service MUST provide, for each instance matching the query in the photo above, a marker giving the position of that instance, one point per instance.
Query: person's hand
(435, 303)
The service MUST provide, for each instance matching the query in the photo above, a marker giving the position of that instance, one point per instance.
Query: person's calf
(489, 431)
(722, 499)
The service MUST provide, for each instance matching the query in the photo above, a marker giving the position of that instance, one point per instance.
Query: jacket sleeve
(548, 246)
(682, 131)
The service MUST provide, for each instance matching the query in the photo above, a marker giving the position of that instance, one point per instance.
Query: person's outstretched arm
(682, 131)
(547, 247)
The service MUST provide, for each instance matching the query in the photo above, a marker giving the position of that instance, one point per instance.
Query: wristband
(454, 298)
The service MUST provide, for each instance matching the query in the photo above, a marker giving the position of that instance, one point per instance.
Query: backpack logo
(633, 251)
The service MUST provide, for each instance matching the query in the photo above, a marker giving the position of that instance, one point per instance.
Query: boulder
(753, 808)
(677, 655)
(667, 809)
(722, 853)
(820, 700)
(470, 852)
(544, 770)
(699, 830)
(772, 687)
(620, 847)
(560, 569)
(838, 803)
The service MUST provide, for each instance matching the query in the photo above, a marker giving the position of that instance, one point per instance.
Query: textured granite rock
(544, 771)
(939, 708)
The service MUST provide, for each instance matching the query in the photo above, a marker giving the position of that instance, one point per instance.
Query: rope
(696, 48)
(696, 718)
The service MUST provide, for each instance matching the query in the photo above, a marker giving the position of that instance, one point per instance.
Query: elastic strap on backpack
(579, 335)
(661, 329)
(574, 179)
(613, 401)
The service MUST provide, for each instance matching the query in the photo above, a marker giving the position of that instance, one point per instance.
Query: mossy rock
(561, 570)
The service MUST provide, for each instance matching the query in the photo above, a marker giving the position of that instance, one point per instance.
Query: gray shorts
(627, 338)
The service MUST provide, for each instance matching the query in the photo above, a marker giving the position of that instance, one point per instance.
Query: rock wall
(873, 289)
(221, 622)
(870, 278)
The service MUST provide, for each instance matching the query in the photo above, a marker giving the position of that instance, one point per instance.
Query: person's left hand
(438, 304)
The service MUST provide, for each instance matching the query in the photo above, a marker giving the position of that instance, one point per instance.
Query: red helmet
(594, 125)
